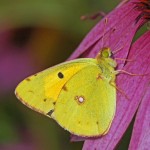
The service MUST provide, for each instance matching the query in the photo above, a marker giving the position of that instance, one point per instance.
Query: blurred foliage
(56, 13)
(37, 34)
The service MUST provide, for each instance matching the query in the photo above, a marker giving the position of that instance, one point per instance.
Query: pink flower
(123, 22)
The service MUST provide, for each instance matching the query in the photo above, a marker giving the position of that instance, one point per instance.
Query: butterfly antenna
(124, 59)
(117, 50)
(105, 21)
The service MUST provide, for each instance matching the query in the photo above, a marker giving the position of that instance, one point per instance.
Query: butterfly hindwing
(86, 105)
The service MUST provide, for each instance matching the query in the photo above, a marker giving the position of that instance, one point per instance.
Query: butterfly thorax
(106, 63)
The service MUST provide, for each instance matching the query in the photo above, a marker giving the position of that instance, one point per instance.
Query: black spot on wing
(60, 75)
(50, 112)
(64, 88)
(45, 100)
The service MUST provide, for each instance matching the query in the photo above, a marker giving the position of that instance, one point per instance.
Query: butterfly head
(106, 52)
(105, 56)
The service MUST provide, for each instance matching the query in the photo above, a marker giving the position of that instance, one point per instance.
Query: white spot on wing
(80, 99)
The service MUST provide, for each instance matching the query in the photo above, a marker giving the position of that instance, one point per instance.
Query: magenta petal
(15, 62)
(140, 139)
(26, 142)
(116, 34)
(134, 87)
(20, 146)
(122, 20)
(75, 138)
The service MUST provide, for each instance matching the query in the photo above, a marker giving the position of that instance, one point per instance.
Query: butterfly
(80, 95)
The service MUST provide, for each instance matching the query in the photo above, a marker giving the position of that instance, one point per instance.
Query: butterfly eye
(60, 75)
(105, 53)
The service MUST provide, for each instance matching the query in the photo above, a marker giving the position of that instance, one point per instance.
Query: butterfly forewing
(40, 91)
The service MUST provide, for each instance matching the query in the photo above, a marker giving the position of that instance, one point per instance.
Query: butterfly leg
(118, 89)
(128, 73)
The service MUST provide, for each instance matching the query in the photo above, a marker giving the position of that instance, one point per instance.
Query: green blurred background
(34, 35)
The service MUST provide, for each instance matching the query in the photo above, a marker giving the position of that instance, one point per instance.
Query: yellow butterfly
(80, 94)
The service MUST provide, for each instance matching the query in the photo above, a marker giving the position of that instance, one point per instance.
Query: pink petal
(117, 33)
(19, 146)
(134, 87)
(75, 138)
(140, 139)
(27, 142)
(122, 19)
(15, 62)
